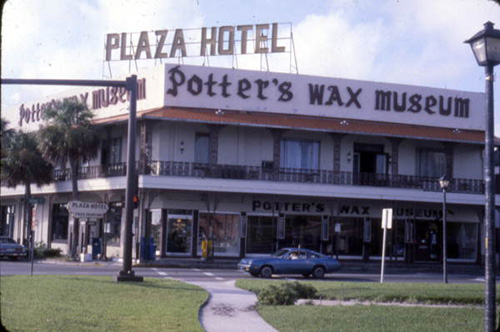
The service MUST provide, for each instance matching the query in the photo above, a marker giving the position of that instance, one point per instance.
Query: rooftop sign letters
(95, 100)
(225, 40)
(257, 91)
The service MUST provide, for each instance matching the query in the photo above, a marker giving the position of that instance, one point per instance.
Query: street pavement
(213, 275)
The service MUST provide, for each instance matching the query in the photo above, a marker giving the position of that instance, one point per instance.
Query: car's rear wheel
(266, 272)
(318, 272)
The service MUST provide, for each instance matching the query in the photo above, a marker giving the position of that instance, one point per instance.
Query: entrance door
(179, 234)
(369, 165)
(428, 243)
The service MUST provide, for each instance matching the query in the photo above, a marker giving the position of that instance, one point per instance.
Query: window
(261, 235)
(201, 148)
(369, 158)
(7, 220)
(224, 229)
(301, 154)
(60, 217)
(431, 163)
(115, 151)
(113, 223)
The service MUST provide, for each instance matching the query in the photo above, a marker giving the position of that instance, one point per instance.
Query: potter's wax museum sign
(258, 91)
(95, 100)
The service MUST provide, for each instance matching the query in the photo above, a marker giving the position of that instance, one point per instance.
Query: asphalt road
(194, 275)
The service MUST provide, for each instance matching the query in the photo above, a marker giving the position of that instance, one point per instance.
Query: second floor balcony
(270, 173)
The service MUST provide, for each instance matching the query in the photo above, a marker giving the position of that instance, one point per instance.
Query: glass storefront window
(179, 233)
(462, 240)
(394, 242)
(224, 229)
(7, 220)
(261, 235)
(113, 224)
(156, 226)
(60, 218)
(303, 231)
(351, 236)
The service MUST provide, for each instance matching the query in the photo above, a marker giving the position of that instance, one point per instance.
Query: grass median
(88, 303)
(427, 293)
(312, 318)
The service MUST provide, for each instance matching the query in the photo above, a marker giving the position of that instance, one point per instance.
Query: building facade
(256, 161)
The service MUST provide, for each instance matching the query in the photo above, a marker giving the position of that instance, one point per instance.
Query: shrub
(44, 252)
(304, 291)
(285, 294)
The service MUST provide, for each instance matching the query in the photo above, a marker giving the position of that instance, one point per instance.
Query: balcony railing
(187, 169)
(92, 172)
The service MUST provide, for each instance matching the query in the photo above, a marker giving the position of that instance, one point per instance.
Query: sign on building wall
(79, 209)
(257, 91)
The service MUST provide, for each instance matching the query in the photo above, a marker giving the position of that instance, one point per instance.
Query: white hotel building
(259, 160)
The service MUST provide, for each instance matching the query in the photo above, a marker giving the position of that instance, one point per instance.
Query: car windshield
(280, 253)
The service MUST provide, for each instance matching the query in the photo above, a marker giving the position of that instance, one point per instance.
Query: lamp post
(486, 48)
(443, 183)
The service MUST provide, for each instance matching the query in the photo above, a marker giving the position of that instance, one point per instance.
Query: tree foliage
(68, 134)
(22, 162)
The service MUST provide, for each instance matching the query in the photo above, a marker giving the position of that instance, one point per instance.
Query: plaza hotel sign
(225, 40)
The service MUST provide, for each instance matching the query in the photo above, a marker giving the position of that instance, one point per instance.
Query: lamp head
(486, 45)
(444, 182)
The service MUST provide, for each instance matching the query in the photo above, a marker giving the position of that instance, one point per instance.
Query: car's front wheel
(306, 275)
(254, 274)
(318, 272)
(266, 272)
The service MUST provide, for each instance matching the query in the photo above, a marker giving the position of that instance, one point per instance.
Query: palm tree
(6, 134)
(23, 164)
(69, 136)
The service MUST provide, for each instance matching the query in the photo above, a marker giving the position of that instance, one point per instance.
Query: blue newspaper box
(96, 247)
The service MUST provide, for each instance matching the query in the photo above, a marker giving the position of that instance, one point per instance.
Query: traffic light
(136, 201)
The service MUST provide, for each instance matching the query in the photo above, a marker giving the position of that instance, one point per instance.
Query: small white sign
(337, 228)
(87, 209)
(387, 218)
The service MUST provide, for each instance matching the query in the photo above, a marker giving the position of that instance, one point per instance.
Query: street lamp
(444, 183)
(486, 47)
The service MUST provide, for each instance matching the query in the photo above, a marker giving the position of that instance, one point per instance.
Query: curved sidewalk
(230, 309)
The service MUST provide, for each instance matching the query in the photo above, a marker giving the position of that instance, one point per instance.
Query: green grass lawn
(387, 292)
(374, 317)
(87, 303)
(371, 318)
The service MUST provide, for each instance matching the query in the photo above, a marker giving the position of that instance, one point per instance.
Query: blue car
(290, 261)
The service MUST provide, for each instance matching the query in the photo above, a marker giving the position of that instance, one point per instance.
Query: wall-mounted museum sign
(257, 91)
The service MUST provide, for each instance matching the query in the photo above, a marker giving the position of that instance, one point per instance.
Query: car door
(300, 264)
(281, 263)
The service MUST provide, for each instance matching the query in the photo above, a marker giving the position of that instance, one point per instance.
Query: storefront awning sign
(79, 209)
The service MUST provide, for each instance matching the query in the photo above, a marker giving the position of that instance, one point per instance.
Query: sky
(396, 41)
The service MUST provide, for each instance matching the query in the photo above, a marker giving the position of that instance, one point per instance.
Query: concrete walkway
(230, 309)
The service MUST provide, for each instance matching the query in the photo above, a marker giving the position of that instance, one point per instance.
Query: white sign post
(386, 224)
